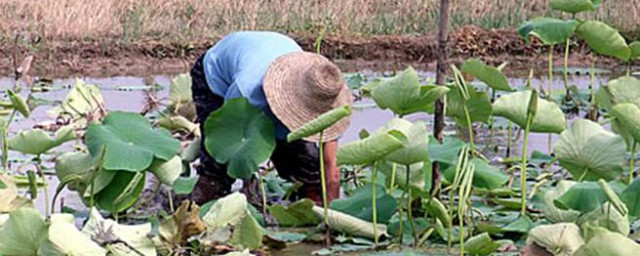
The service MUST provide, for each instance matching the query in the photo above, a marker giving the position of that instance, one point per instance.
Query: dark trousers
(296, 161)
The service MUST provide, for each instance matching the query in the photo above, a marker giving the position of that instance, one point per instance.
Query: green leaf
(574, 6)
(560, 238)
(19, 103)
(628, 115)
(81, 100)
(417, 148)
(135, 236)
(481, 244)
(478, 105)
(298, 214)
(437, 209)
(232, 211)
(489, 75)
(64, 238)
(122, 192)
(485, 175)
(350, 225)
(550, 31)
(167, 172)
(403, 94)
(605, 242)
(419, 176)
(359, 204)
(583, 197)
(76, 168)
(520, 225)
(131, 144)
(631, 197)
(552, 213)
(37, 141)
(625, 89)
(371, 149)
(447, 152)
(247, 233)
(22, 233)
(320, 123)
(178, 123)
(606, 216)
(604, 39)
(589, 152)
(549, 117)
(184, 185)
(180, 100)
(239, 135)
(635, 50)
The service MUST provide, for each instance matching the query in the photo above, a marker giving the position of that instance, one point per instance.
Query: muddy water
(120, 93)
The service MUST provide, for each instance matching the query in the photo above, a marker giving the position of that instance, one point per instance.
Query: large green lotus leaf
(350, 225)
(82, 99)
(574, 6)
(403, 94)
(628, 116)
(130, 142)
(551, 212)
(320, 123)
(225, 211)
(134, 235)
(18, 103)
(625, 89)
(489, 75)
(604, 39)
(180, 100)
(417, 148)
(247, 234)
(298, 214)
(583, 197)
(239, 135)
(371, 149)
(359, 204)
(485, 175)
(447, 152)
(37, 141)
(550, 31)
(65, 239)
(549, 117)
(604, 242)
(481, 244)
(590, 152)
(22, 233)
(10, 200)
(75, 169)
(167, 172)
(478, 105)
(419, 176)
(561, 239)
(631, 198)
(122, 192)
(606, 216)
(635, 50)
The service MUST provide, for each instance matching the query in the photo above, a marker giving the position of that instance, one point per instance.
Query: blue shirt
(235, 67)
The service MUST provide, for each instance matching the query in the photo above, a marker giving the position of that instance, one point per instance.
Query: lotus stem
(491, 119)
(409, 208)
(171, 207)
(470, 128)
(394, 172)
(264, 196)
(509, 131)
(5, 149)
(323, 184)
(631, 159)
(551, 72)
(44, 186)
(374, 178)
(523, 171)
(566, 67)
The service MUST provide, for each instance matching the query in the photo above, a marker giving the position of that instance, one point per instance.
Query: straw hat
(300, 86)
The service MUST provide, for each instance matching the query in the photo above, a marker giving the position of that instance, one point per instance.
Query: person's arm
(332, 173)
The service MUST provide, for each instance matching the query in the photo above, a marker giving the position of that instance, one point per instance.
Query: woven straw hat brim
(283, 84)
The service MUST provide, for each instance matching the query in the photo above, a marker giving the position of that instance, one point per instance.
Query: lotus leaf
(64, 238)
(178, 123)
(403, 94)
(549, 30)
(574, 6)
(167, 172)
(520, 225)
(239, 135)
(628, 116)
(436, 208)
(631, 197)
(604, 39)
(180, 101)
(22, 233)
(130, 143)
(350, 225)
(75, 169)
(553, 213)
(9, 198)
(583, 197)
(417, 148)
(625, 89)
(19, 103)
(247, 234)
(606, 216)
(635, 50)
(133, 235)
(605, 242)
(589, 152)
(485, 176)
(372, 148)
(232, 210)
(297, 214)
(359, 204)
(447, 152)
(184, 186)
(561, 239)
(38, 142)
(549, 117)
(192, 151)
(320, 123)
(487, 74)
(481, 244)
(122, 192)
(81, 100)
(419, 176)
(478, 105)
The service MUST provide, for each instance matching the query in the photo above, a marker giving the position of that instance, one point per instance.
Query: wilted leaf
(182, 225)
(561, 239)
(38, 142)
(167, 172)
(178, 123)
(350, 225)
(551, 211)
(320, 123)
(298, 214)
(81, 100)
(550, 31)
(180, 100)
(549, 117)
(9, 198)
(134, 235)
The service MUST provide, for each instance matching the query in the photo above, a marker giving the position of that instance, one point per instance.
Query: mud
(109, 57)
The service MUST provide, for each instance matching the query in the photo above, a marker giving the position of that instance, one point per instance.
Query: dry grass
(181, 20)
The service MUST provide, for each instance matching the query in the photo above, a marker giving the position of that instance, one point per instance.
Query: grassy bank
(184, 20)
